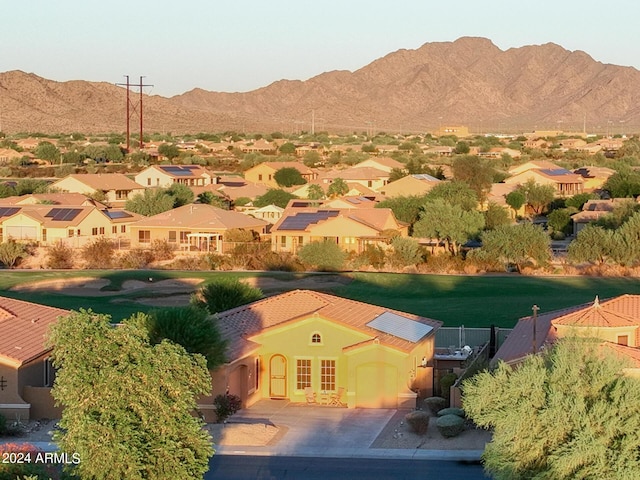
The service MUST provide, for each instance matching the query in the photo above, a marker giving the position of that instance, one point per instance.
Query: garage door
(22, 232)
(376, 386)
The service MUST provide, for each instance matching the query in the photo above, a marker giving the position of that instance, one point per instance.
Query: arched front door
(278, 377)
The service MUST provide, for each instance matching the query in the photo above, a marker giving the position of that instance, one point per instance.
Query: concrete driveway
(312, 430)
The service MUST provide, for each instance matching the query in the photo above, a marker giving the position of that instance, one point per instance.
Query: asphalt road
(240, 467)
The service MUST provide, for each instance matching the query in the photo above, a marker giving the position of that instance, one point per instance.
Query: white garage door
(22, 232)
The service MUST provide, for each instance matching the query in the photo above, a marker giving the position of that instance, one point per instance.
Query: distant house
(26, 372)
(615, 321)
(594, 177)
(116, 187)
(385, 164)
(352, 230)
(166, 175)
(269, 213)
(194, 227)
(67, 199)
(259, 146)
(263, 173)
(565, 183)
(418, 185)
(72, 225)
(372, 357)
(372, 178)
(8, 155)
(593, 210)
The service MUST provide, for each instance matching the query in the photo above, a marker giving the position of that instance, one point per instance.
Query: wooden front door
(278, 377)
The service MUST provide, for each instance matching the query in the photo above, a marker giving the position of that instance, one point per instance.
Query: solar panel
(424, 176)
(8, 211)
(63, 214)
(302, 220)
(117, 214)
(399, 326)
(555, 172)
(177, 170)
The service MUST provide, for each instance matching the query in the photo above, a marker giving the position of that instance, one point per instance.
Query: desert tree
(568, 412)
(337, 188)
(593, 244)
(127, 404)
(151, 202)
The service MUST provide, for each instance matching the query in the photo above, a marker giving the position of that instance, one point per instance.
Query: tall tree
(516, 200)
(274, 196)
(515, 245)
(449, 223)
(182, 194)
(338, 188)
(538, 196)
(315, 192)
(569, 412)
(593, 244)
(151, 202)
(476, 172)
(288, 177)
(455, 193)
(127, 403)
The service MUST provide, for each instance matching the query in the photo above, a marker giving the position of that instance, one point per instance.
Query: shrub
(451, 411)
(406, 251)
(446, 381)
(226, 405)
(161, 250)
(323, 255)
(136, 258)
(372, 256)
(225, 293)
(281, 262)
(11, 252)
(418, 421)
(435, 404)
(99, 253)
(450, 425)
(59, 255)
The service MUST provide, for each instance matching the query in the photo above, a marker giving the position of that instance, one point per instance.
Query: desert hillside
(469, 81)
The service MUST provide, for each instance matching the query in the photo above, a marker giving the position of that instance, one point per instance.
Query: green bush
(324, 256)
(98, 253)
(135, 258)
(451, 411)
(435, 404)
(418, 421)
(446, 381)
(226, 405)
(450, 425)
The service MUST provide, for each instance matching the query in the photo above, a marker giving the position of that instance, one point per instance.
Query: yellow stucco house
(370, 356)
(418, 185)
(351, 229)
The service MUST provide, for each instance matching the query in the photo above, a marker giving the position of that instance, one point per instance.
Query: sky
(242, 45)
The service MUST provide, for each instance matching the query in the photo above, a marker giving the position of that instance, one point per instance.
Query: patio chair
(310, 395)
(336, 398)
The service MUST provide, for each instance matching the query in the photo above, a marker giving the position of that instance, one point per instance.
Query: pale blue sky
(241, 45)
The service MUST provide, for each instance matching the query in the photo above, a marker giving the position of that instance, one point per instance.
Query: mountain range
(466, 82)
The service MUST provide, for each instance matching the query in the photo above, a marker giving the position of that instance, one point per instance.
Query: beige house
(372, 178)
(351, 229)
(73, 225)
(166, 175)
(565, 183)
(270, 213)
(386, 164)
(263, 173)
(67, 199)
(594, 177)
(194, 227)
(116, 187)
(8, 155)
(26, 372)
(593, 210)
(418, 185)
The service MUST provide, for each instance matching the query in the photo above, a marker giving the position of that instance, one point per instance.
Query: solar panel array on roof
(399, 326)
(302, 220)
(63, 214)
(117, 214)
(177, 170)
(8, 211)
(555, 172)
(424, 176)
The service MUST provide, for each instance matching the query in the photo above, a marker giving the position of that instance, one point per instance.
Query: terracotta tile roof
(377, 218)
(618, 311)
(200, 216)
(239, 325)
(70, 199)
(596, 316)
(301, 167)
(632, 354)
(356, 173)
(24, 326)
(42, 214)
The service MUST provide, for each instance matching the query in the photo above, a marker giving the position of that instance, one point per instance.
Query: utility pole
(133, 108)
(535, 309)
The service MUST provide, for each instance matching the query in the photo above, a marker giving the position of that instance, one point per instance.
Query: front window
(303, 373)
(172, 236)
(183, 237)
(144, 236)
(316, 339)
(328, 375)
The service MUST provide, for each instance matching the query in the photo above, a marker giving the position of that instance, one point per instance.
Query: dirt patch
(244, 434)
(397, 434)
(173, 284)
(80, 286)
(180, 300)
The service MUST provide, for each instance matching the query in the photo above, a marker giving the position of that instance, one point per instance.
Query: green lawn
(456, 300)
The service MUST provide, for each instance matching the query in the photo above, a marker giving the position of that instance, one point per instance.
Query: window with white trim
(303, 373)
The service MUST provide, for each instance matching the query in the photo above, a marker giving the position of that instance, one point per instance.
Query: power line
(132, 108)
